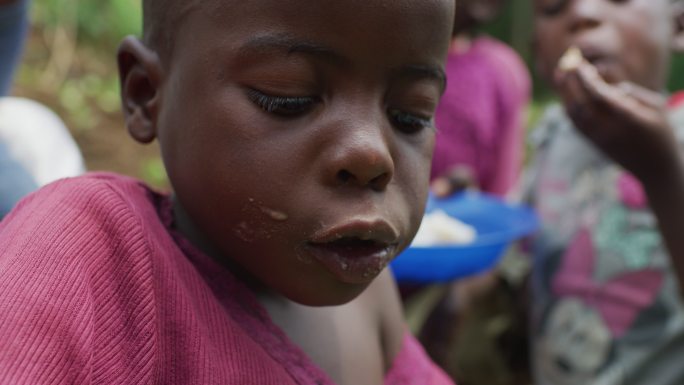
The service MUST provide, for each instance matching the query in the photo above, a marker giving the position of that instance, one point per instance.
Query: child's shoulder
(92, 194)
(93, 183)
(77, 219)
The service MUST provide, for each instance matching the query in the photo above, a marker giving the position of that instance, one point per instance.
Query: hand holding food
(626, 121)
(458, 178)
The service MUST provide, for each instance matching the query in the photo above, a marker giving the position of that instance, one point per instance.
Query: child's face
(297, 135)
(627, 40)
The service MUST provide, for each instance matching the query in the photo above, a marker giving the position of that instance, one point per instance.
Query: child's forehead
(343, 23)
(323, 15)
(245, 11)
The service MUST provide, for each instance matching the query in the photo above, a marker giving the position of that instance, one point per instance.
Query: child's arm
(630, 125)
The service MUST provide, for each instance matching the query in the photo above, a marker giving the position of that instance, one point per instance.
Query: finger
(568, 86)
(626, 101)
(644, 95)
(575, 98)
(605, 96)
(596, 88)
(441, 187)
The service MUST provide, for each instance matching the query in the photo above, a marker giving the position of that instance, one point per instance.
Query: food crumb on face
(274, 214)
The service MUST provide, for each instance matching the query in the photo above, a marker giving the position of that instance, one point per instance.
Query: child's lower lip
(355, 263)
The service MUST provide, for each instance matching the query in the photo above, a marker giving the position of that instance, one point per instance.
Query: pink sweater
(96, 287)
(481, 117)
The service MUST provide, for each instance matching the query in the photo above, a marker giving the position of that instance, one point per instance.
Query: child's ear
(140, 75)
(678, 39)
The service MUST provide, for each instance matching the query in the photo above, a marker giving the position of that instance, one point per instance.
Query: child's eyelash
(295, 105)
(554, 7)
(409, 123)
(281, 105)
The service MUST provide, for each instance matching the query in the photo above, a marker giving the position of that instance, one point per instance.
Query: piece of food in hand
(571, 59)
(438, 228)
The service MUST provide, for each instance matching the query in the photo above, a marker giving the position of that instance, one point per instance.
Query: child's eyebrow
(424, 71)
(290, 45)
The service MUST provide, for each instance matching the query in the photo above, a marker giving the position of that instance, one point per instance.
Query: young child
(608, 184)
(297, 136)
(13, 26)
(481, 117)
(15, 180)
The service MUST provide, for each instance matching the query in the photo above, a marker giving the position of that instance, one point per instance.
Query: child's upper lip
(594, 54)
(367, 229)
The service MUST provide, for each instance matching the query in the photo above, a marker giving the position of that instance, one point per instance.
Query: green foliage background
(99, 23)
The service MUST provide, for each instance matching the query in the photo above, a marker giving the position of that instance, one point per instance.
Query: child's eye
(282, 105)
(408, 123)
(552, 7)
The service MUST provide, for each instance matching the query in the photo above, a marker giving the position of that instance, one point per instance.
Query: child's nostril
(344, 176)
(380, 181)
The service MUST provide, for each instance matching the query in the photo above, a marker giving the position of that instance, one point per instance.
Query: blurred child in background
(608, 183)
(482, 115)
(15, 180)
(13, 26)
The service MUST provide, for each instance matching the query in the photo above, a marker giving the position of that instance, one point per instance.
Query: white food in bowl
(438, 228)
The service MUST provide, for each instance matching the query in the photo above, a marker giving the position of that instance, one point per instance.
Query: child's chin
(340, 296)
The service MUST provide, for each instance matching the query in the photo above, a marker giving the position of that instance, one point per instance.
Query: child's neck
(186, 226)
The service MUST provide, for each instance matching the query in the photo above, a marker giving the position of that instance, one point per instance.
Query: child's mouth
(605, 64)
(353, 246)
(358, 256)
(353, 260)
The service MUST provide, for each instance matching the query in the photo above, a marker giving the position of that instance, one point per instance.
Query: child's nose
(585, 14)
(361, 157)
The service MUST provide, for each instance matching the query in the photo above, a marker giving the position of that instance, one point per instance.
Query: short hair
(160, 20)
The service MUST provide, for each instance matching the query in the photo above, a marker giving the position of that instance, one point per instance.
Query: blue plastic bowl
(497, 223)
